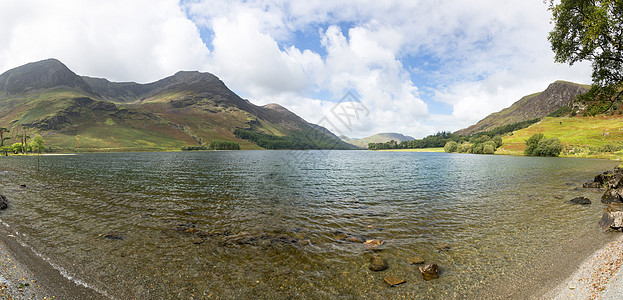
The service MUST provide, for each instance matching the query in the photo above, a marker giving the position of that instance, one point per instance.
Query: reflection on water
(268, 223)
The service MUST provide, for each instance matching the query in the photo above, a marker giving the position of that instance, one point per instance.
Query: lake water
(248, 224)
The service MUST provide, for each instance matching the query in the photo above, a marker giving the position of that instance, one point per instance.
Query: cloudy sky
(417, 67)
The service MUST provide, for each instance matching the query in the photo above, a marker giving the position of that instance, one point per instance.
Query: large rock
(4, 203)
(612, 196)
(612, 217)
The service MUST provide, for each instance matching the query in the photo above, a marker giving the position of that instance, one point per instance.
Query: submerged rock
(591, 185)
(580, 200)
(114, 235)
(373, 243)
(4, 203)
(416, 260)
(443, 247)
(393, 280)
(377, 263)
(612, 219)
(429, 271)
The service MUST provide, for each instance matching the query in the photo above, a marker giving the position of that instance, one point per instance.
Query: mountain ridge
(533, 106)
(185, 109)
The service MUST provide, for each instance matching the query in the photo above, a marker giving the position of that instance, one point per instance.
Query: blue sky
(417, 66)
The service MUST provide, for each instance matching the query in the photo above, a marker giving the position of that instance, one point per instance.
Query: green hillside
(535, 106)
(597, 137)
(187, 109)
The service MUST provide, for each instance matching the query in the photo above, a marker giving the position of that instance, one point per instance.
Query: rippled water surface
(245, 224)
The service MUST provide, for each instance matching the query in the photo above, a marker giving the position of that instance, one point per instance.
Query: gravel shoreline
(24, 275)
(599, 277)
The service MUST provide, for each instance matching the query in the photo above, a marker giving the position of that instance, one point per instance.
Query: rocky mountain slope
(78, 113)
(557, 95)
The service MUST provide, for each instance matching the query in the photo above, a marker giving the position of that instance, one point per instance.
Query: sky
(356, 67)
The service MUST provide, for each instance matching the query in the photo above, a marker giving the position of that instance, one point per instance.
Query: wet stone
(197, 241)
(4, 203)
(393, 280)
(355, 239)
(580, 200)
(373, 243)
(415, 260)
(429, 271)
(443, 247)
(114, 235)
(377, 263)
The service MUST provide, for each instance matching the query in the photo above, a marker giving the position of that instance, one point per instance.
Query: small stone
(429, 271)
(377, 263)
(393, 280)
(114, 235)
(443, 247)
(355, 239)
(373, 243)
(416, 260)
(197, 241)
(580, 200)
(340, 235)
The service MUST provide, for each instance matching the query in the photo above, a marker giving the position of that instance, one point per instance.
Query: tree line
(215, 145)
(22, 144)
(441, 139)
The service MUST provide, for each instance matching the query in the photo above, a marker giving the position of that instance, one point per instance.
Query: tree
(36, 144)
(451, 146)
(17, 148)
(591, 30)
(2, 138)
(532, 143)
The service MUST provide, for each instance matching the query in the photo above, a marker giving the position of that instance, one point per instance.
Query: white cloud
(122, 40)
(476, 56)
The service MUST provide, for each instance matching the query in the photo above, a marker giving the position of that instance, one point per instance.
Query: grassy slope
(578, 134)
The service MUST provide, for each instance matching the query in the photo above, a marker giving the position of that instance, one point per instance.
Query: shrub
(538, 145)
(488, 149)
(533, 143)
(451, 146)
(498, 141)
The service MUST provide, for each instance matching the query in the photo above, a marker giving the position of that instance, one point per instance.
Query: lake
(248, 224)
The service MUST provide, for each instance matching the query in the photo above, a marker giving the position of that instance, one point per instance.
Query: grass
(582, 136)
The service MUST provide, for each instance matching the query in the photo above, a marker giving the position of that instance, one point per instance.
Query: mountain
(79, 113)
(557, 95)
(377, 138)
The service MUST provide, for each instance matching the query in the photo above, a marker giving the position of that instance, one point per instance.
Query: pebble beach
(599, 277)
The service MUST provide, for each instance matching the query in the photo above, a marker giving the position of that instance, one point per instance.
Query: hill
(598, 136)
(377, 138)
(536, 106)
(77, 113)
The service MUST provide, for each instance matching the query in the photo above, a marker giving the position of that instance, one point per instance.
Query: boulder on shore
(612, 219)
(580, 200)
(612, 196)
(4, 203)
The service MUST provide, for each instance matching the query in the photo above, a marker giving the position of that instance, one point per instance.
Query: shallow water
(244, 224)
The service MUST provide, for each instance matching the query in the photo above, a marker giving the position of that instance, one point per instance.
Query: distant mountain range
(79, 113)
(377, 138)
(557, 95)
